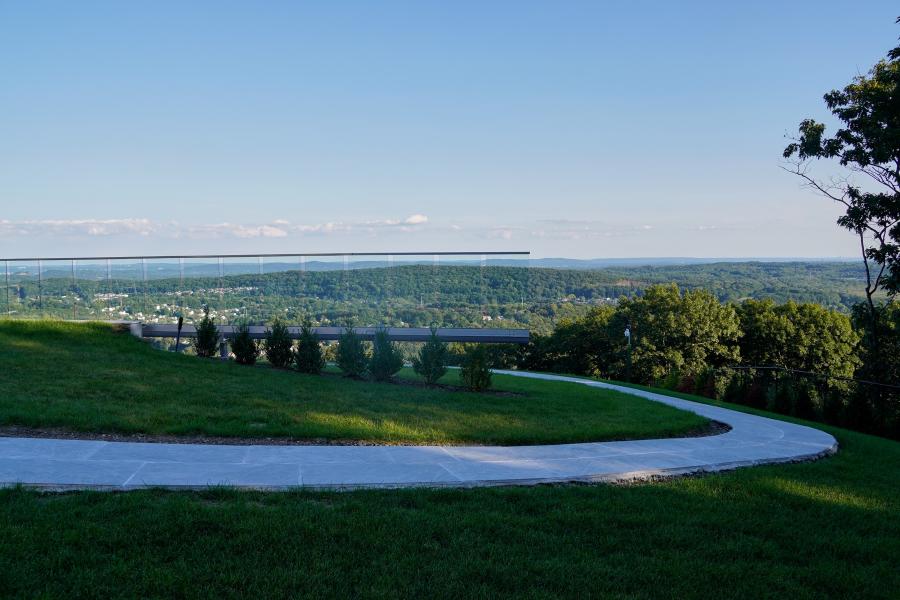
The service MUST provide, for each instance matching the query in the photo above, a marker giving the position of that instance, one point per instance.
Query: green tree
(585, 346)
(806, 337)
(475, 370)
(431, 362)
(245, 348)
(679, 332)
(767, 334)
(278, 345)
(386, 359)
(309, 356)
(868, 144)
(877, 408)
(351, 354)
(207, 336)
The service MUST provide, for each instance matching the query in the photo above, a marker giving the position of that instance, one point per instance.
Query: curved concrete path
(63, 464)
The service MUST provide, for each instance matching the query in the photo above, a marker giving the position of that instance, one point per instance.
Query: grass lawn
(86, 377)
(830, 528)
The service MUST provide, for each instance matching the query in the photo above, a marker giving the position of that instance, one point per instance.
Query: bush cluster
(381, 364)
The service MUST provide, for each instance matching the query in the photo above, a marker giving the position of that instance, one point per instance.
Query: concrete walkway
(63, 464)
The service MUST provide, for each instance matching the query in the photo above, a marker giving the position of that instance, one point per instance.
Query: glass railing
(446, 289)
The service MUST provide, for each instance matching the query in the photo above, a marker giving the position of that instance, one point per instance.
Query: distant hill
(161, 269)
(600, 263)
(833, 284)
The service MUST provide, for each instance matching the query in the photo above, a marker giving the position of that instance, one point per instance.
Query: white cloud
(279, 228)
(416, 219)
(503, 233)
(233, 230)
(74, 227)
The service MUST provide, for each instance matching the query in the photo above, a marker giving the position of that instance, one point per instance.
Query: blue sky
(580, 129)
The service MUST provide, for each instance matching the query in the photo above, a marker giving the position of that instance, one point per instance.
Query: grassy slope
(825, 529)
(87, 378)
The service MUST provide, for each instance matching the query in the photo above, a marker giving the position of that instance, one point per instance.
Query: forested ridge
(833, 285)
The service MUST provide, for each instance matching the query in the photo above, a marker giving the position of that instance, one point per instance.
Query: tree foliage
(867, 144)
(386, 359)
(207, 340)
(278, 345)
(431, 361)
(309, 357)
(244, 347)
(805, 337)
(351, 354)
(679, 332)
(475, 370)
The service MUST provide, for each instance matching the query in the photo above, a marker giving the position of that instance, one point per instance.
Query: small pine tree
(475, 371)
(351, 355)
(431, 363)
(309, 357)
(278, 345)
(244, 347)
(207, 336)
(386, 359)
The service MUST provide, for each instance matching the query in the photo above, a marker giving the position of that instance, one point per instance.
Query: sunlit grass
(829, 528)
(86, 377)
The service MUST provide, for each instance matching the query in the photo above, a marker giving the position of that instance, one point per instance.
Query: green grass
(829, 528)
(86, 377)
(825, 529)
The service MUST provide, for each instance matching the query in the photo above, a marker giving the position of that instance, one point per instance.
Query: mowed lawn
(830, 528)
(90, 378)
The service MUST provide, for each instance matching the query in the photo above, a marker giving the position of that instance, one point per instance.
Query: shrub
(708, 384)
(431, 363)
(244, 347)
(309, 357)
(278, 345)
(475, 371)
(386, 359)
(207, 336)
(687, 384)
(351, 355)
(671, 380)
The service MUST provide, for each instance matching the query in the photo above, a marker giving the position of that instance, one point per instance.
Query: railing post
(8, 306)
(41, 288)
(146, 311)
(108, 289)
(74, 293)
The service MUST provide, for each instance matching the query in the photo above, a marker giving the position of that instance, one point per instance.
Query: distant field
(85, 377)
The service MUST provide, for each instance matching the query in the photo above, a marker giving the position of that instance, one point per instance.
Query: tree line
(795, 358)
